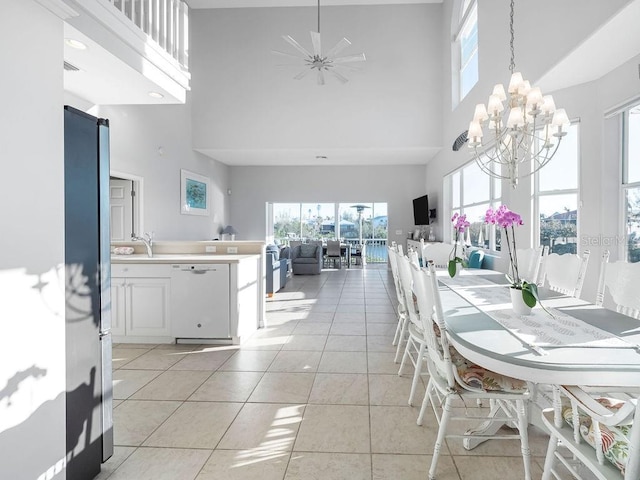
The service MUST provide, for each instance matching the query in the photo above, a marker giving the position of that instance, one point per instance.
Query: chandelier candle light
(529, 137)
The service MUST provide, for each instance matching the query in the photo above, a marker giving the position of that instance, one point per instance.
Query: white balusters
(166, 22)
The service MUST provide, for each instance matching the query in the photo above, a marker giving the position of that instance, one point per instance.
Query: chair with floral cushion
(621, 279)
(565, 273)
(401, 311)
(452, 377)
(415, 348)
(598, 429)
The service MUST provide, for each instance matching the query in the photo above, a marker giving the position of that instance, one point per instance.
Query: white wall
(242, 99)
(154, 142)
(32, 344)
(252, 187)
(534, 55)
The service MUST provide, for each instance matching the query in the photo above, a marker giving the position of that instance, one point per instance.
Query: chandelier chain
(512, 65)
(318, 16)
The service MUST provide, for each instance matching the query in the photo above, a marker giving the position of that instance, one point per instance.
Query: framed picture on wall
(194, 193)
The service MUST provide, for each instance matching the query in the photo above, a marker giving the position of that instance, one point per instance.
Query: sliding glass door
(358, 223)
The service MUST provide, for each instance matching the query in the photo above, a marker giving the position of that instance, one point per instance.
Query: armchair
(306, 259)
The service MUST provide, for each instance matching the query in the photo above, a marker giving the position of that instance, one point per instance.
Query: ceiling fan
(328, 62)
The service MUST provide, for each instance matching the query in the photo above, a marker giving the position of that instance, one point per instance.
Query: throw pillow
(307, 250)
(274, 250)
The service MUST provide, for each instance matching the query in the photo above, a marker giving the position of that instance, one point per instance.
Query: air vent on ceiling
(70, 68)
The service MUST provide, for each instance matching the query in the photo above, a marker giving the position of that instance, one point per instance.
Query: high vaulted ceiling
(104, 79)
(295, 3)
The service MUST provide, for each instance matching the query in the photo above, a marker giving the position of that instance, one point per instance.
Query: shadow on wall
(34, 460)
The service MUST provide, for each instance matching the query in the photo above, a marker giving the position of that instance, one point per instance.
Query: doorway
(125, 197)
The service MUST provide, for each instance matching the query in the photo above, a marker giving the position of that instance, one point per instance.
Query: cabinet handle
(200, 272)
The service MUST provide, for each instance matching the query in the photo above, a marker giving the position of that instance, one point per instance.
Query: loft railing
(166, 22)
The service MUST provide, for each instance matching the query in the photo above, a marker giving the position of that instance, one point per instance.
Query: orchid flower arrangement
(508, 220)
(460, 224)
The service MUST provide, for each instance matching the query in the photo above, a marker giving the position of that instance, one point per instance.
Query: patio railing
(375, 249)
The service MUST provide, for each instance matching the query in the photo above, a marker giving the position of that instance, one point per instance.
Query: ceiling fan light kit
(324, 63)
(529, 137)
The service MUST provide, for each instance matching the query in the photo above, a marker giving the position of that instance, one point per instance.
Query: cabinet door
(118, 308)
(147, 305)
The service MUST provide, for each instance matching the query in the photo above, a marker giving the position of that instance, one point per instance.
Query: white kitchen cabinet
(118, 306)
(186, 298)
(141, 307)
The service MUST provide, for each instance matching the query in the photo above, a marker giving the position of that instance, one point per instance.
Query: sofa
(275, 270)
(306, 259)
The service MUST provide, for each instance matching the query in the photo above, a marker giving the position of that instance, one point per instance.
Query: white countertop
(179, 258)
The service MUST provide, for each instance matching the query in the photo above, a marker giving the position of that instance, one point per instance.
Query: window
(556, 198)
(631, 183)
(472, 193)
(467, 45)
(317, 221)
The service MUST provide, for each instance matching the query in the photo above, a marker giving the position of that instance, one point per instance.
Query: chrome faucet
(147, 239)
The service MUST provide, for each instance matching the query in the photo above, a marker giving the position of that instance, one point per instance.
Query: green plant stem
(513, 264)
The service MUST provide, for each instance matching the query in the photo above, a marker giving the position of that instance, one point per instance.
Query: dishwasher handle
(198, 269)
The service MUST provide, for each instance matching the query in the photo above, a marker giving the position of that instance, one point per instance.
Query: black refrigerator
(89, 399)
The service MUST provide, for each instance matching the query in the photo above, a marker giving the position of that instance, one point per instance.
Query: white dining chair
(401, 310)
(334, 253)
(565, 273)
(599, 429)
(453, 378)
(621, 279)
(529, 263)
(438, 253)
(415, 347)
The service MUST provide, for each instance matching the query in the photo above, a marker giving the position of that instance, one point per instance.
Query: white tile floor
(314, 396)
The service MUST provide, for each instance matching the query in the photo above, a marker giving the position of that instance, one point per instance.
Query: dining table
(565, 340)
(345, 252)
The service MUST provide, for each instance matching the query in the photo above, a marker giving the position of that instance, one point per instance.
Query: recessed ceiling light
(156, 95)
(77, 44)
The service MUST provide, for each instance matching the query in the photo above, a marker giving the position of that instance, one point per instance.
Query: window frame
(625, 184)
(464, 25)
(537, 194)
(494, 201)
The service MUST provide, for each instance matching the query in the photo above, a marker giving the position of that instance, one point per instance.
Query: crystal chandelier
(529, 137)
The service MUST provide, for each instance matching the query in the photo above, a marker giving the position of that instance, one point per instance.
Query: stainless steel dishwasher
(200, 301)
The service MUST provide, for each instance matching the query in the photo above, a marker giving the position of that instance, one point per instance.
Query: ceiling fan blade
(359, 57)
(352, 68)
(302, 74)
(317, 45)
(277, 52)
(338, 75)
(289, 39)
(341, 45)
(320, 77)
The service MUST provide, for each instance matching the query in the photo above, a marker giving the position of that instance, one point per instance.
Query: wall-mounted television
(421, 210)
